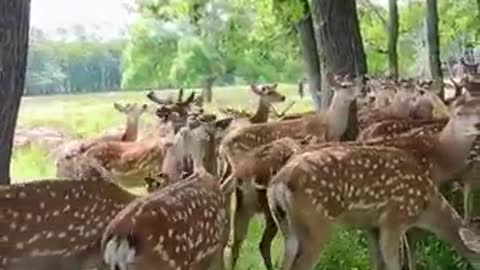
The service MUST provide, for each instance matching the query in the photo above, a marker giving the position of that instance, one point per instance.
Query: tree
(393, 27)
(433, 42)
(311, 58)
(341, 47)
(14, 26)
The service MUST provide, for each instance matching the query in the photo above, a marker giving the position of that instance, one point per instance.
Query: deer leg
(410, 249)
(389, 241)
(440, 218)
(312, 236)
(241, 216)
(265, 244)
(467, 200)
(373, 238)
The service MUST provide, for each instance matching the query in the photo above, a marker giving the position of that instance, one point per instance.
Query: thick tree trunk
(14, 29)
(434, 46)
(207, 91)
(311, 60)
(340, 44)
(393, 26)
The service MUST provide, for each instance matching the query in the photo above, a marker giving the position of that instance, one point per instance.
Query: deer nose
(477, 126)
(283, 98)
(371, 99)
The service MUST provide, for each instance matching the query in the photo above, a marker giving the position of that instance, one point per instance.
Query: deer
(133, 113)
(130, 161)
(443, 155)
(398, 108)
(249, 182)
(367, 187)
(268, 95)
(57, 223)
(421, 113)
(328, 125)
(172, 111)
(183, 226)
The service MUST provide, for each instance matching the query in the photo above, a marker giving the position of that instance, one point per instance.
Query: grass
(91, 114)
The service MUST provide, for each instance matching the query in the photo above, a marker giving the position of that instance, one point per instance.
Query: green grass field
(87, 115)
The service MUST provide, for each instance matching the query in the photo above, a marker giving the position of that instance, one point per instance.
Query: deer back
(177, 227)
(390, 128)
(342, 181)
(56, 220)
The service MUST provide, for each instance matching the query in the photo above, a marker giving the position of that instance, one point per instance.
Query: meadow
(82, 116)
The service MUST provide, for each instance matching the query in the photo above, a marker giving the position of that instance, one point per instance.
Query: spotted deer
(421, 112)
(56, 224)
(130, 161)
(268, 95)
(398, 108)
(250, 179)
(328, 125)
(175, 112)
(367, 187)
(183, 226)
(133, 112)
(442, 156)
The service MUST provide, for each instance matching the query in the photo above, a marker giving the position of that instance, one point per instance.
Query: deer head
(345, 89)
(268, 93)
(465, 116)
(133, 111)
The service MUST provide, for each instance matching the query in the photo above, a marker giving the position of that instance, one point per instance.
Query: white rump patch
(118, 253)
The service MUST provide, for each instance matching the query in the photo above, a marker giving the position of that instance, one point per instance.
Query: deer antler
(188, 101)
(180, 95)
(284, 111)
(154, 98)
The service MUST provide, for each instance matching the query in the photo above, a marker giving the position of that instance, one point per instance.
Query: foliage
(229, 41)
(72, 66)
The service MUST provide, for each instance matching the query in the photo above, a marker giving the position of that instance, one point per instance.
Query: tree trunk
(14, 29)
(434, 47)
(207, 91)
(311, 60)
(393, 26)
(340, 45)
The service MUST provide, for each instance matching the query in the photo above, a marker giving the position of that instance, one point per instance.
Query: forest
(197, 43)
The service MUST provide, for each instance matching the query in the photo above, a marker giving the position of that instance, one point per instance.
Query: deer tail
(119, 252)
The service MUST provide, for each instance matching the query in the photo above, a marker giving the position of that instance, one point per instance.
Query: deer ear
(118, 107)
(148, 181)
(254, 89)
(274, 86)
(332, 80)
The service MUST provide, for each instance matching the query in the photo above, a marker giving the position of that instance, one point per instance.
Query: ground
(80, 116)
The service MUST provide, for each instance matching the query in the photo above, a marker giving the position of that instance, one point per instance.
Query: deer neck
(399, 108)
(171, 164)
(261, 115)
(337, 119)
(453, 148)
(131, 130)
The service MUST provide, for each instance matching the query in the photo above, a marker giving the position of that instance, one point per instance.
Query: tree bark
(433, 44)
(340, 44)
(311, 60)
(393, 26)
(14, 29)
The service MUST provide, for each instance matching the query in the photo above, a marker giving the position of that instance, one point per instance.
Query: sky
(52, 14)
(110, 14)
